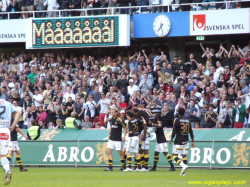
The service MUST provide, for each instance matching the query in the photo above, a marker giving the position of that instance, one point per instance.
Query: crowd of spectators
(25, 6)
(49, 87)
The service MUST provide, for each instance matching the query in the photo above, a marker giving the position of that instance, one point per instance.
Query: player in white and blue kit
(6, 112)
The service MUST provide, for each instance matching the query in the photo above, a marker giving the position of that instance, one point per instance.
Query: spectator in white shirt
(107, 118)
(115, 67)
(34, 62)
(52, 5)
(104, 104)
(132, 88)
(219, 69)
(102, 87)
(27, 117)
(37, 98)
(69, 94)
(66, 81)
(246, 48)
(49, 53)
(215, 74)
(42, 73)
(89, 107)
(154, 9)
(4, 7)
(145, 84)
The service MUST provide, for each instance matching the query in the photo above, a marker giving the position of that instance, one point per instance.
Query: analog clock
(161, 25)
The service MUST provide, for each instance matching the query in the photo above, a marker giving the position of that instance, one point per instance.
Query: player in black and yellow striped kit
(181, 129)
(133, 140)
(145, 135)
(161, 145)
(142, 127)
(13, 147)
(115, 139)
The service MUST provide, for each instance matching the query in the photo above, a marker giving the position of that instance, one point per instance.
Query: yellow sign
(102, 153)
(49, 134)
(240, 154)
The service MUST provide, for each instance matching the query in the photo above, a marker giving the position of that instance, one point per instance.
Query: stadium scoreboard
(79, 32)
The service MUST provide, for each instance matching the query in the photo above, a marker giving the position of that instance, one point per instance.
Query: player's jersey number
(149, 113)
(185, 128)
(2, 110)
(136, 128)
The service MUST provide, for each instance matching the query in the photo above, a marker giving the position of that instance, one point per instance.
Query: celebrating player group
(138, 126)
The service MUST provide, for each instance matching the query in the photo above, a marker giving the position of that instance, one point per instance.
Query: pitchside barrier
(211, 154)
(214, 148)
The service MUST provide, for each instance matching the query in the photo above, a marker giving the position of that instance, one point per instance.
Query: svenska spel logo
(199, 22)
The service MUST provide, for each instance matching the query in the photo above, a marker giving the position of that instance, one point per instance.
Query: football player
(161, 145)
(125, 140)
(133, 140)
(6, 112)
(181, 129)
(145, 135)
(13, 147)
(115, 139)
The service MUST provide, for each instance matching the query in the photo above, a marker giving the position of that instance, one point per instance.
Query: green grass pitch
(96, 177)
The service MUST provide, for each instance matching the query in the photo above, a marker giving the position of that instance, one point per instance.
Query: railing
(194, 6)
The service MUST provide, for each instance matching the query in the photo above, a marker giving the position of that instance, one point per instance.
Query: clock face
(161, 25)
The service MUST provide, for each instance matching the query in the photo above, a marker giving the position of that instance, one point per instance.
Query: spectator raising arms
(57, 85)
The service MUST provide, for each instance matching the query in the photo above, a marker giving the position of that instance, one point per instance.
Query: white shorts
(181, 149)
(4, 140)
(145, 144)
(126, 141)
(133, 144)
(149, 131)
(13, 146)
(115, 144)
(161, 147)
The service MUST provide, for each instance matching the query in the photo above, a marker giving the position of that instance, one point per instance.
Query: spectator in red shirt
(245, 58)
(123, 106)
(168, 87)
